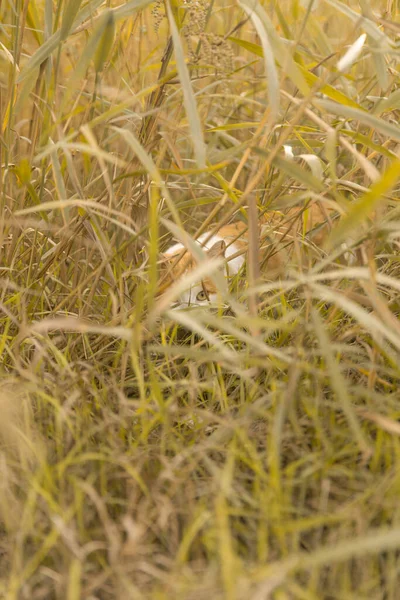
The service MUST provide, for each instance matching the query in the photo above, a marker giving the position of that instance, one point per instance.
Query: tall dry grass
(248, 453)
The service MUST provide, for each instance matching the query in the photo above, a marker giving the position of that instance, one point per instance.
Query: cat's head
(200, 293)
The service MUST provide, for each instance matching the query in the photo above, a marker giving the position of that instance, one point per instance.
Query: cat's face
(201, 293)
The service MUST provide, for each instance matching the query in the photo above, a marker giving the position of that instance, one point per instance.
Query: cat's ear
(217, 249)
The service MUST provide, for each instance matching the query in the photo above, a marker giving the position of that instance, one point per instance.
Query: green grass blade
(189, 99)
(309, 77)
(338, 383)
(269, 58)
(107, 27)
(281, 51)
(363, 116)
(298, 173)
(374, 325)
(70, 12)
(51, 44)
(365, 206)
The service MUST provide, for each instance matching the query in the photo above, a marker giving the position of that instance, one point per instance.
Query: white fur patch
(174, 249)
(234, 265)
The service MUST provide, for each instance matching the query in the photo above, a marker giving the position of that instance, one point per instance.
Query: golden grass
(243, 454)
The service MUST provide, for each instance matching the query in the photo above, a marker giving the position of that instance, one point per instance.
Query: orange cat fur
(277, 236)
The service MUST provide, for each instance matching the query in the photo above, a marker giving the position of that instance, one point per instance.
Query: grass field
(241, 454)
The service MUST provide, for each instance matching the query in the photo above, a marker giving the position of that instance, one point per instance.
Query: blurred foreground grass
(154, 454)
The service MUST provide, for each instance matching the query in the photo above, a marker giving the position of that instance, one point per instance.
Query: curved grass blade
(361, 209)
(85, 149)
(70, 12)
(315, 163)
(300, 174)
(366, 141)
(359, 115)
(233, 126)
(192, 324)
(387, 104)
(310, 77)
(87, 12)
(238, 333)
(368, 321)
(338, 382)
(189, 99)
(373, 30)
(269, 58)
(280, 51)
(51, 44)
(125, 10)
(377, 540)
(150, 167)
(105, 42)
(90, 52)
(77, 325)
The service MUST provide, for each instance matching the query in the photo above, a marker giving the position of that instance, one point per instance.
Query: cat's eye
(201, 296)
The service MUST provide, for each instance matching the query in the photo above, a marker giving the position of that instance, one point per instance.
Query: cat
(279, 235)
